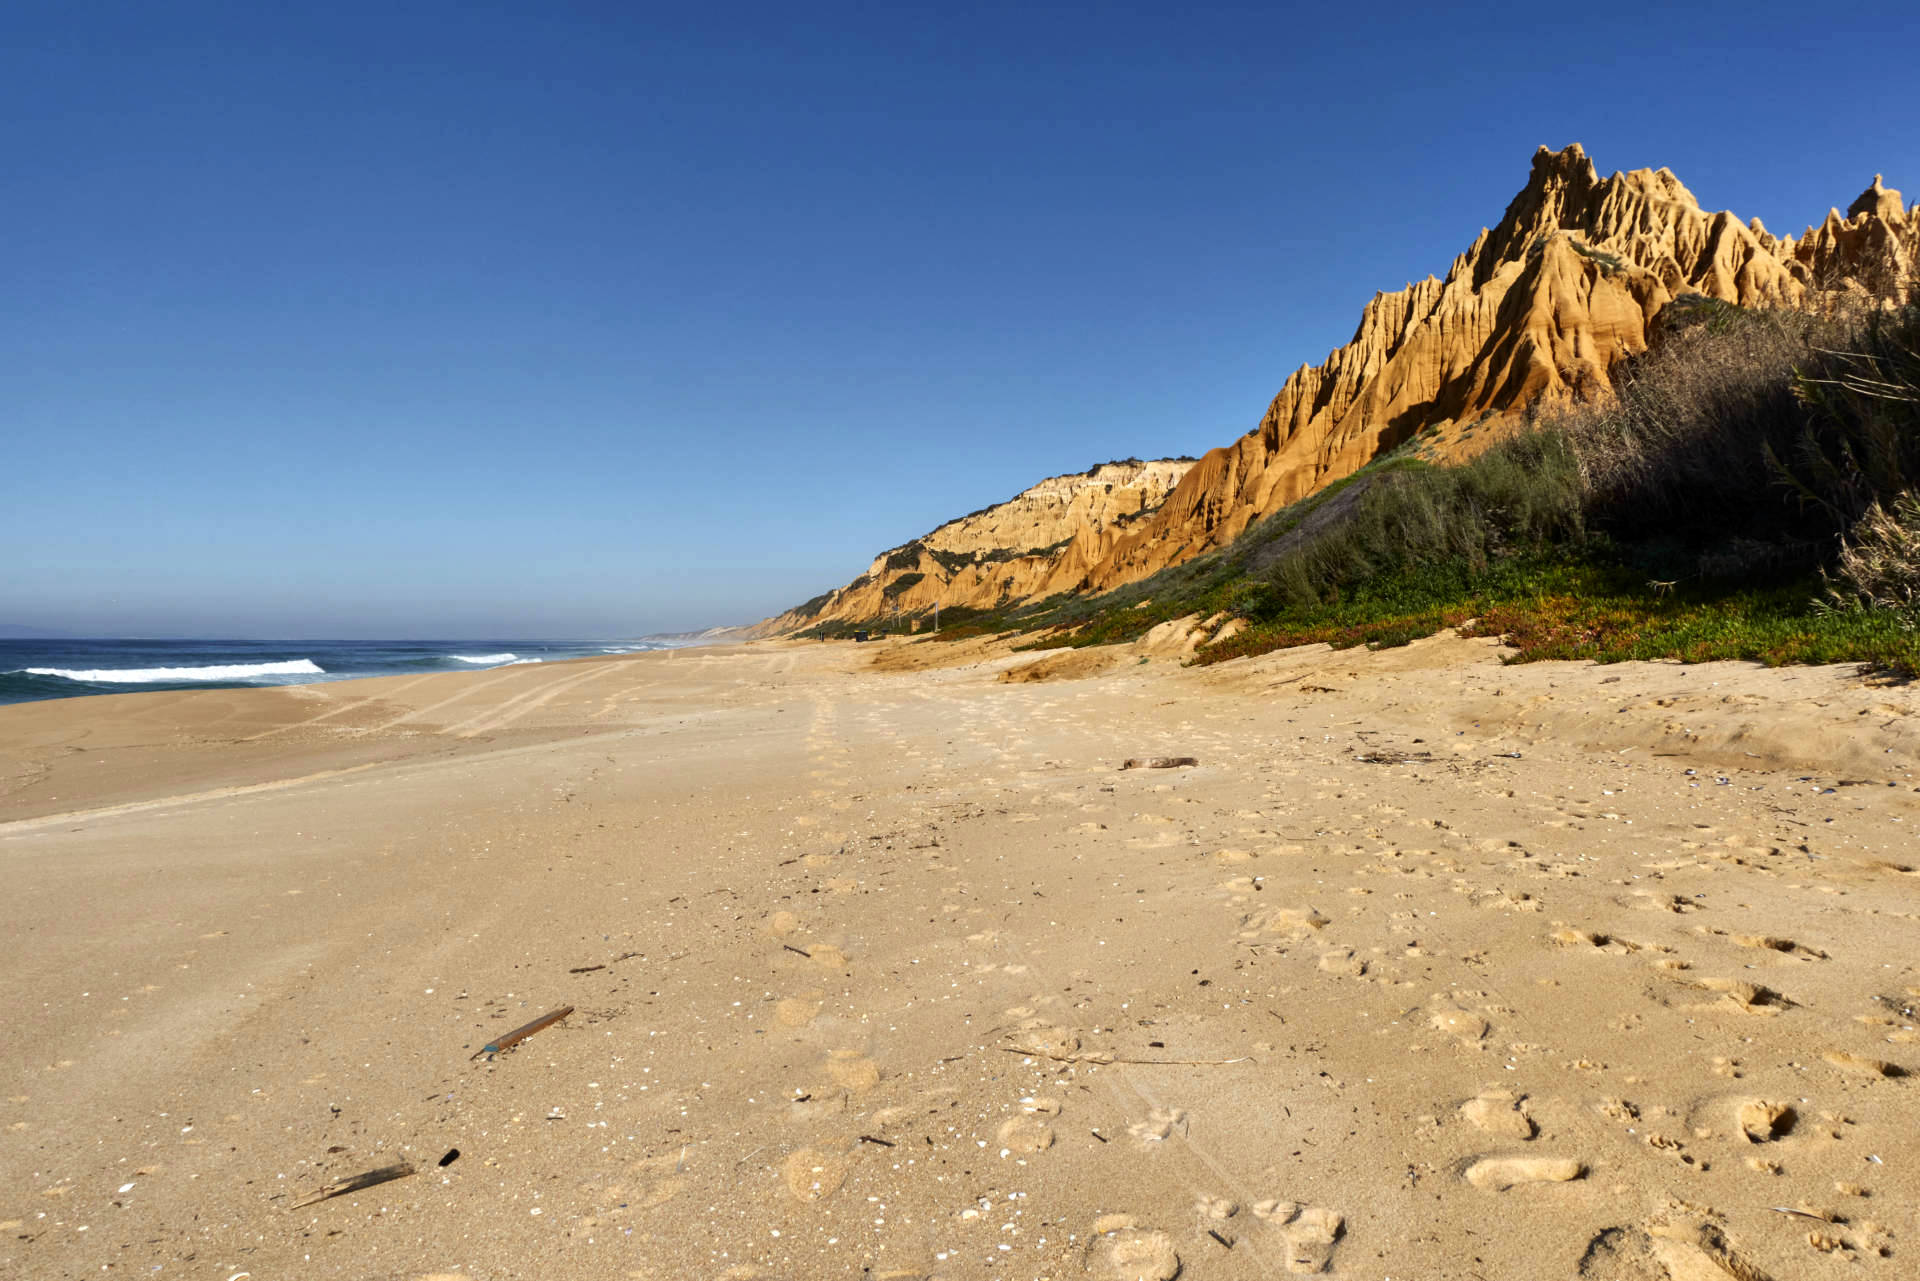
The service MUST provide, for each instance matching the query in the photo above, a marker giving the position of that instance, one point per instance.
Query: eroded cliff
(1040, 541)
(1543, 306)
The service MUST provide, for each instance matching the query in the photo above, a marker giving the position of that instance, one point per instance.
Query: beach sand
(1429, 968)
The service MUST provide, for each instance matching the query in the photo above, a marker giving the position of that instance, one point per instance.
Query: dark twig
(1101, 1056)
(357, 1182)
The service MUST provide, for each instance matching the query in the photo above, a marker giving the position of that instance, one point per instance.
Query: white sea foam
(153, 675)
(521, 661)
(486, 658)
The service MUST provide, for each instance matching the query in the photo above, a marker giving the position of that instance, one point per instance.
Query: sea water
(61, 668)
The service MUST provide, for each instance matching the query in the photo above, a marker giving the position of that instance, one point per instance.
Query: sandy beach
(881, 965)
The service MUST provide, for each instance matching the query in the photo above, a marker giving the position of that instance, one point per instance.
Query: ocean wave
(518, 662)
(157, 675)
(486, 658)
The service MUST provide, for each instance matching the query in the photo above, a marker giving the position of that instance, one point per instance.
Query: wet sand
(1429, 968)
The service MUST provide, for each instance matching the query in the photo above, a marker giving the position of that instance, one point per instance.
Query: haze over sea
(43, 668)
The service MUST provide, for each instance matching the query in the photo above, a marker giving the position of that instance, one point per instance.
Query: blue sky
(597, 319)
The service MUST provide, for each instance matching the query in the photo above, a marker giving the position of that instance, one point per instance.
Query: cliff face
(1040, 541)
(1542, 307)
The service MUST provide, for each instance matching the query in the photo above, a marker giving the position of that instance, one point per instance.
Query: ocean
(36, 669)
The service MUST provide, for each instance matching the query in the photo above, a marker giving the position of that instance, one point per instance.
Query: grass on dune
(1748, 493)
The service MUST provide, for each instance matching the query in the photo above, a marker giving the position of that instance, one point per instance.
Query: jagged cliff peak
(1542, 306)
(1878, 200)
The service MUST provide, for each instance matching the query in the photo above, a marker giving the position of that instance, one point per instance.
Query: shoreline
(41, 670)
(835, 932)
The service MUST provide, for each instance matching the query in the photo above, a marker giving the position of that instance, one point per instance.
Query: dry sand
(1430, 968)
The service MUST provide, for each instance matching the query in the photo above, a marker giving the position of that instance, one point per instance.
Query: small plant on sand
(1879, 564)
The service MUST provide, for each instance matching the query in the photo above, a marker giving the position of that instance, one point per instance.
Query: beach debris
(1103, 1057)
(521, 1033)
(1158, 762)
(358, 1182)
(453, 1154)
(1388, 756)
(1823, 1216)
(588, 969)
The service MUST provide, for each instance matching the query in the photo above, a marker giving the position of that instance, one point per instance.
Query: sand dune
(1430, 967)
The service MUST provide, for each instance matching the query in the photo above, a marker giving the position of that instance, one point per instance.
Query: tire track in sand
(481, 685)
(513, 709)
(342, 709)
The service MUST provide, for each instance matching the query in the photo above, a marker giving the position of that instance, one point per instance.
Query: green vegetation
(1746, 495)
(1608, 262)
(1751, 492)
(898, 586)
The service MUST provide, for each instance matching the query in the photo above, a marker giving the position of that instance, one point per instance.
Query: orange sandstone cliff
(1541, 308)
(1041, 541)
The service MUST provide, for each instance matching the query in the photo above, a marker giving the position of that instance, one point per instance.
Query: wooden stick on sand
(522, 1032)
(356, 1182)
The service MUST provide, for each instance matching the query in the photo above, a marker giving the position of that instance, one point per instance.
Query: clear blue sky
(565, 318)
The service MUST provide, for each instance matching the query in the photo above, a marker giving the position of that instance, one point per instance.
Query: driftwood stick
(522, 1032)
(357, 1182)
(1100, 1057)
(1158, 762)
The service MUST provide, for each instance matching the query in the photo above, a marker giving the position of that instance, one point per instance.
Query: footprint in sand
(1668, 1144)
(1858, 1065)
(663, 1177)
(1025, 1135)
(1310, 1232)
(1619, 1110)
(797, 1011)
(827, 956)
(1341, 962)
(1565, 935)
(1748, 998)
(1762, 1121)
(1465, 1026)
(1499, 1112)
(1686, 1249)
(1216, 1209)
(813, 1173)
(1504, 899)
(1774, 943)
(1030, 1131)
(1296, 922)
(1161, 1124)
(1047, 1041)
(1134, 1253)
(853, 1071)
(1498, 1173)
